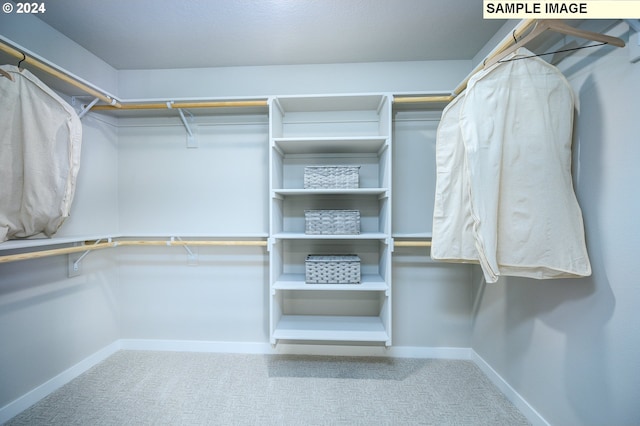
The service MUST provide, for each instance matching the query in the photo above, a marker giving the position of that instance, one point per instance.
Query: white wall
(221, 187)
(570, 347)
(95, 205)
(431, 301)
(49, 322)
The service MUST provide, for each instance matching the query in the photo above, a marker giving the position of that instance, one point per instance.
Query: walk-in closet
(310, 212)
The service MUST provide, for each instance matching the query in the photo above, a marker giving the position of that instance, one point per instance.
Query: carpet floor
(177, 388)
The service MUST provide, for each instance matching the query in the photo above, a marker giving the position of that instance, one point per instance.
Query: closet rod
(4, 47)
(412, 243)
(98, 246)
(54, 252)
(177, 105)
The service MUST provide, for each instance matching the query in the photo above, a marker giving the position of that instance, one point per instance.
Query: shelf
(348, 102)
(49, 242)
(331, 145)
(303, 236)
(297, 282)
(332, 328)
(382, 192)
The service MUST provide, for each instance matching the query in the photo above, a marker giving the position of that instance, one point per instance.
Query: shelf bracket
(75, 264)
(87, 108)
(192, 255)
(192, 142)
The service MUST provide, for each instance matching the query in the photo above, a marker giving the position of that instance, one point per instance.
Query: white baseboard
(35, 395)
(27, 400)
(512, 395)
(195, 346)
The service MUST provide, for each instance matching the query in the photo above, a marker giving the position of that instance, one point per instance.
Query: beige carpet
(170, 388)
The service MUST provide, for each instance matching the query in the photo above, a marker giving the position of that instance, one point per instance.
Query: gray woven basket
(335, 269)
(332, 222)
(331, 177)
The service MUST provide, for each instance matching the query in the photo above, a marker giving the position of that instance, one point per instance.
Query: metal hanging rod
(111, 244)
(28, 59)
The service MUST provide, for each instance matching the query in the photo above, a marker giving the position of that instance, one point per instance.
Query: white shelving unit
(330, 130)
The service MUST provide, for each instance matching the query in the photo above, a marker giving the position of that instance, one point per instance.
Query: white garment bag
(40, 141)
(515, 122)
(452, 235)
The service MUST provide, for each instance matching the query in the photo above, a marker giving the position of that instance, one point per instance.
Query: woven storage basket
(331, 177)
(332, 222)
(335, 269)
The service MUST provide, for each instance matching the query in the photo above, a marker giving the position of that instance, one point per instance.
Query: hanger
(24, 58)
(6, 74)
(556, 26)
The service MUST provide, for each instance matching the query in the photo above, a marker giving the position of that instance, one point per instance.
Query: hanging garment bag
(452, 232)
(516, 123)
(40, 141)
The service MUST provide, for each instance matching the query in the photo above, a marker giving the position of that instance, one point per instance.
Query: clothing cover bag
(40, 141)
(515, 122)
(452, 236)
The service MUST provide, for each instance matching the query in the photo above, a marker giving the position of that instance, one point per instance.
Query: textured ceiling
(147, 34)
